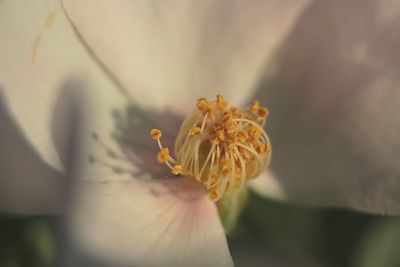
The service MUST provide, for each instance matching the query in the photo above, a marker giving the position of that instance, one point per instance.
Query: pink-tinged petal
(128, 209)
(40, 55)
(171, 53)
(335, 106)
(168, 222)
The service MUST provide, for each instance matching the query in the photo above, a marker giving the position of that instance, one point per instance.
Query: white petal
(143, 223)
(40, 58)
(126, 210)
(335, 106)
(267, 185)
(27, 184)
(171, 53)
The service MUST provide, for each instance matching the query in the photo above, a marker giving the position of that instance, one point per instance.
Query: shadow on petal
(132, 133)
(67, 125)
(27, 183)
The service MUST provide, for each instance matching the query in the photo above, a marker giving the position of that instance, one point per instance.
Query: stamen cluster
(220, 147)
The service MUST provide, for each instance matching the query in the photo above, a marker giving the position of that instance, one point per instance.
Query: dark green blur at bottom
(25, 242)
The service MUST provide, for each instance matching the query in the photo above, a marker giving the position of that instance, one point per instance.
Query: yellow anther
(221, 103)
(244, 153)
(165, 151)
(221, 136)
(211, 108)
(261, 149)
(230, 125)
(265, 148)
(247, 116)
(216, 127)
(238, 174)
(230, 144)
(224, 162)
(214, 194)
(155, 134)
(242, 136)
(206, 107)
(254, 132)
(226, 117)
(235, 112)
(226, 171)
(177, 169)
(263, 112)
(230, 128)
(230, 131)
(202, 105)
(195, 131)
(254, 107)
(162, 157)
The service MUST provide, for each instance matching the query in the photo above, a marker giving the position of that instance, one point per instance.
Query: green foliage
(379, 247)
(25, 242)
(308, 236)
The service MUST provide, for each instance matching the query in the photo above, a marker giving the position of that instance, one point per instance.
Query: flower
(331, 88)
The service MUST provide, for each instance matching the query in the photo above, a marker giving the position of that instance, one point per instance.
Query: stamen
(202, 105)
(262, 112)
(207, 159)
(243, 168)
(221, 103)
(195, 131)
(203, 124)
(162, 156)
(255, 107)
(155, 134)
(177, 169)
(264, 134)
(220, 147)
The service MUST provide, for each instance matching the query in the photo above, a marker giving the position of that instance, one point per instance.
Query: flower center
(220, 146)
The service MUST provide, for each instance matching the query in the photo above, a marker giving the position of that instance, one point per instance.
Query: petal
(268, 185)
(163, 223)
(27, 184)
(121, 213)
(166, 53)
(334, 107)
(40, 57)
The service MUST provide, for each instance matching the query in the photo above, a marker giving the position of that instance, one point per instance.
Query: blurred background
(268, 234)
